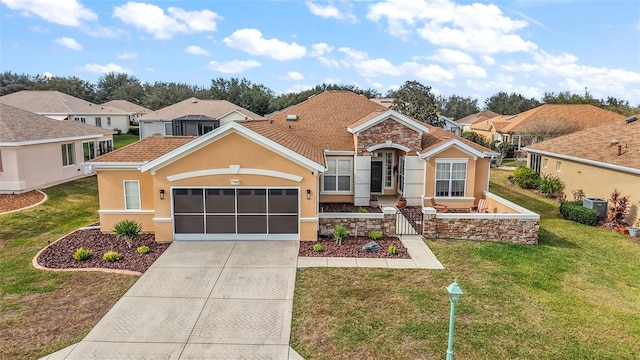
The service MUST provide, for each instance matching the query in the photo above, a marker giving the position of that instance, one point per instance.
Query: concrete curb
(34, 261)
(46, 197)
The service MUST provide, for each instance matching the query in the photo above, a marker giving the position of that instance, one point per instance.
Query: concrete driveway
(202, 300)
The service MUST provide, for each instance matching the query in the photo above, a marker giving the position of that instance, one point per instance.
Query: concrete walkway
(202, 300)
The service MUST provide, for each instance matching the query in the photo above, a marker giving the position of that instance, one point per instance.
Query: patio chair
(438, 207)
(482, 207)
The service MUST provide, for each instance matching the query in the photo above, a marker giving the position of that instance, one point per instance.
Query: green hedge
(574, 211)
(526, 178)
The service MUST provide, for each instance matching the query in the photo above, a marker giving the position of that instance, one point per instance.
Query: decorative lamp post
(454, 294)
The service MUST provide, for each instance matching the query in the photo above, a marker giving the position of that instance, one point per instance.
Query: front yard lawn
(574, 296)
(124, 139)
(44, 311)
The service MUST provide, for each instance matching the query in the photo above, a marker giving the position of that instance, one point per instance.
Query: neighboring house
(192, 117)
(266, 179)
(386, 102)
(450, 125)
(534, 125)
(134, 110)
(37, 152)
(596, 161)
(60, 106)
(467, 121)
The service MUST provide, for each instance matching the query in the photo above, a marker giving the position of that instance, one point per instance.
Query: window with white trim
(89, 150)
(68, 155)
(98, 121)
(451, 178)
(81, 119)
(168, 128)
(132, 195)
(104, 146)
(544, 162)
(108, 121)
(388, 180)
(401, 175)
(558, 166)
(338, 176)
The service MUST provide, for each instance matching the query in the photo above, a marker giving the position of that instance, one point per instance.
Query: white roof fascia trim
(236, 111)
(396, 116)
(47, 141)
(388, 144)
(114, 165)
(586, 161)
(339, 152)
(234, 170)
(221, 132)
(453, 142)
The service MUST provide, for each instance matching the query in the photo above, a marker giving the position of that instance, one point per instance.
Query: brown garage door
(235, 213)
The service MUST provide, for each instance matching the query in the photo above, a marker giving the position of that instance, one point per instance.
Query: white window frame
(388, 169)
(108, 146)
(401, 166)
(170, 132)
(68, 154)
(108, 120)
(95, 151)
(98, 121)
(81, 119)
(135, 195)
(336, 159)
(450, 179)
(559, 166)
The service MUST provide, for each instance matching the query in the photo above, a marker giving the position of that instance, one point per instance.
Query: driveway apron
(203, 300)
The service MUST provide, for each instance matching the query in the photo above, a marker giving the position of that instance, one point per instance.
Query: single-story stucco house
(60, 106)
(596, 161)
(134, 110)
(192, 117)
(38, 152)
(266, 179)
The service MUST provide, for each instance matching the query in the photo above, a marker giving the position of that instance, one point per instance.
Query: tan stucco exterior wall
(111, 193)
(595, 182)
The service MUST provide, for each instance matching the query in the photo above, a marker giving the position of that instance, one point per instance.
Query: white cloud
(449, 56)
(470, 71)
(47, 74)
(320, 49)
(69, 43)
(252, 42)
(298, 88)
(62, 12)
(294, 75)
(504, 83)
(234, 66)
(329, 11)
(125, 55)
(161, 25)
(196, 50)
(103, 69)
(489, 60)
(481, 28)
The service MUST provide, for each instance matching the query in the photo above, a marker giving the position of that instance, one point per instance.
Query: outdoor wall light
(308, 194)
(161, 194)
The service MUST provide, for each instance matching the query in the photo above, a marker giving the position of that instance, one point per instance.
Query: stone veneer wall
(388, 130)
(386, 224)
(520, 231)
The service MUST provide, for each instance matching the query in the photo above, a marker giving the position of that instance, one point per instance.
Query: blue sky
(456, 47)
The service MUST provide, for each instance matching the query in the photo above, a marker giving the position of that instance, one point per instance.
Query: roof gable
(127, 106)
(583, 116)
(479, 116)
(377, 117)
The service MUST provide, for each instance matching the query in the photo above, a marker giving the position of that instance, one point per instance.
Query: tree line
(412, 98)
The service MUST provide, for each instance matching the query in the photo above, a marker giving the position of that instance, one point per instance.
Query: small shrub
(339, 232)
(619, 208)
(144, 249)
(574, 211)
(375, 235)
(111, 256)
(362, 210)
(118, 131)
(551, 185)
(82, 254)
(578, 194)
(526, 178)
(128, 230)
(393, 250)
(318, 248)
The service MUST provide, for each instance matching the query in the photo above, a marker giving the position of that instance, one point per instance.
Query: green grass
(122, 140)
(574, 296)
(44, 310)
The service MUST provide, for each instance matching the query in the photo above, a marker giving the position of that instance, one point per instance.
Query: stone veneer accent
(385, 222)
(388, 130)
(520, 231)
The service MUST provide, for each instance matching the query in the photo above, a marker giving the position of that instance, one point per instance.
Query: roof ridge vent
(614, 142)
(194, 100)
(292, 117)
(631, 119)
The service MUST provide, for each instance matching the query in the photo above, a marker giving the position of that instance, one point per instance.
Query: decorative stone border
(359, 224)
(35, 264)
(46, 197)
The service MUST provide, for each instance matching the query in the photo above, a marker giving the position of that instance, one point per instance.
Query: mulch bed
(346, 207)
(59, 255)
(9, 202)
(352, 247)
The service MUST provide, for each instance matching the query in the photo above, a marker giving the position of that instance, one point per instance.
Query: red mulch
(60, 254)
(352, 247)
(346, 207)
(9, 202)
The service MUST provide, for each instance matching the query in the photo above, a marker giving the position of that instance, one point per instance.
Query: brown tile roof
(366, 118)
(583, 116)
(144, 150)
(595, 144)
(127, 106)
(436, 136)
(286, 138)
(194, 106)
(474, 118)
(323, 119)
(17, 125)
(55, 102)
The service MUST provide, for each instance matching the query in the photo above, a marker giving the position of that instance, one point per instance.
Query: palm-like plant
(128, 230)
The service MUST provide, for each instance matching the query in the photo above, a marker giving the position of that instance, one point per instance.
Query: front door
(376, 176)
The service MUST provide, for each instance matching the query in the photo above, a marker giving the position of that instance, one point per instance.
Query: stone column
(429, 223)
